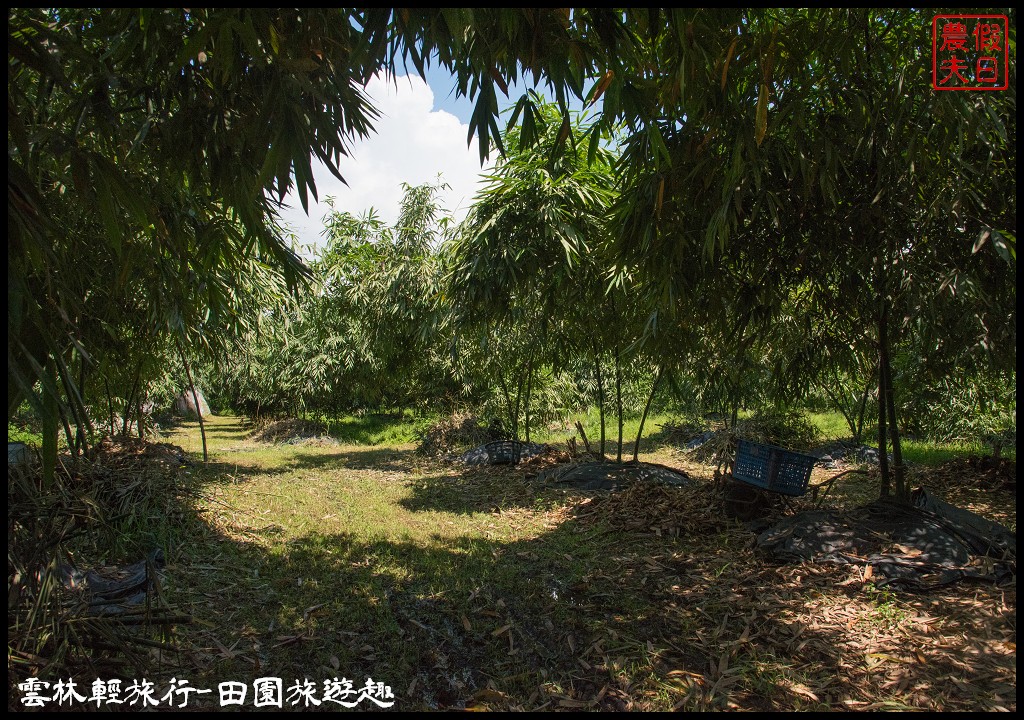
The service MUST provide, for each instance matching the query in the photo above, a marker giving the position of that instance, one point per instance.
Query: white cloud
(412, 144)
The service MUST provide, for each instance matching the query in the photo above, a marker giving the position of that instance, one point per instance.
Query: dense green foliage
(766, 207)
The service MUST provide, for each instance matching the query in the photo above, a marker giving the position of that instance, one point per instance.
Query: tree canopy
(788, 186)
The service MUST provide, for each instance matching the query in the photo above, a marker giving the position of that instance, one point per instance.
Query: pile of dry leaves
(656, 508)
(737, 631)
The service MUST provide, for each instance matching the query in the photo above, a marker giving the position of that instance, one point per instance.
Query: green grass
(17, 433)
(889, 610)
(398, 429)
(830, 425)
(558, 433)
(377, 429)
(930, 452)
(391, 554)
(472, 587)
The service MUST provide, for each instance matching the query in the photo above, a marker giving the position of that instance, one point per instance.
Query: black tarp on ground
(613, 476)
(926, 544)
(115, 590)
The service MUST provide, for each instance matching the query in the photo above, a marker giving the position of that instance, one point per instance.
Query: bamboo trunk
(529, 388)
(618, 398)
(899, 472)
(583, 436)
(195, 399)
(508, 398)
(49, 422)
(643, 418)
(883, 362)
(600, 393)
(128, 403)
(110, 405)
(859, 433)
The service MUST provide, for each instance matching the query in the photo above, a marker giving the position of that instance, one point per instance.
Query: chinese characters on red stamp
(970, 52)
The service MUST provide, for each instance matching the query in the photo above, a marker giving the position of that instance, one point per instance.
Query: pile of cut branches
(290, 430)
(786, 429)
(457, 432)
(97, 511)
(680, 431)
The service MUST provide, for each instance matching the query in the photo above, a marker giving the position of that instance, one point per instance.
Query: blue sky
(422, 132)
(445, 97)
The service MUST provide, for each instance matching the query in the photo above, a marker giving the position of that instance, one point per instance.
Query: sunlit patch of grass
(888, 611)
(929, 452)
(830, 425)
(378, 429)
(344, 552)
(16, 433)
(558, 433)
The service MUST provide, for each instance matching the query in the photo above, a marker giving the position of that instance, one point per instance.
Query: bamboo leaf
(728, 60)
(600, 87)
(761, 122)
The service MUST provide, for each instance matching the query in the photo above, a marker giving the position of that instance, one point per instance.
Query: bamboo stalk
(618, 398)
(195, 399)
(583, 436)
(643, 418)
(600, 393)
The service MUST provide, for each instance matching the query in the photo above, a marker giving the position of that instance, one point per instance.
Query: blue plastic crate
(773, 468)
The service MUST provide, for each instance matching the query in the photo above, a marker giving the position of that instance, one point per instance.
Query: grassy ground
(486, 589)
(375, 429)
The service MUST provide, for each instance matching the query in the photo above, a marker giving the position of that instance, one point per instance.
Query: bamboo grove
(759, 207)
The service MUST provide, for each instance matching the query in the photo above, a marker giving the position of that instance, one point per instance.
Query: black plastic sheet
(925, 544)
(114, 590)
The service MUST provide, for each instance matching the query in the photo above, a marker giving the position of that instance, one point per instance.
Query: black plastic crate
(773, 468)
(504, 452)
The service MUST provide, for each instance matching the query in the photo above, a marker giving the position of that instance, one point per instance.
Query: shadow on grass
(217, 437)
(439, 622)
(236, 468)
(575, 614)
(660, 438)
(469, 491)
(220, 431)
(453, 622)
(372, 458)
